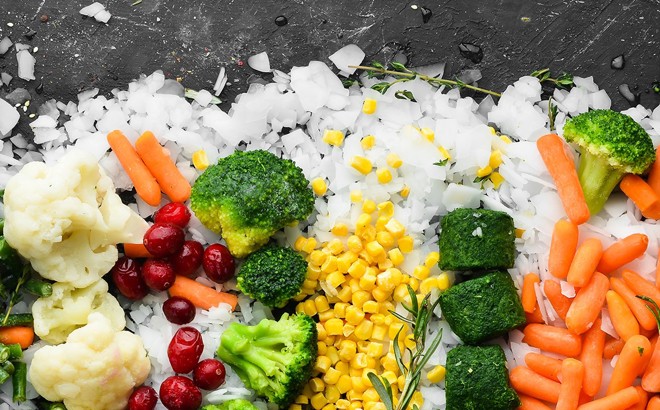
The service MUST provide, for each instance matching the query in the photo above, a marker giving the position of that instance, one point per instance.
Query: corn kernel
(367, 282)
(345, 294)
(369, 106)
(437, 374)
(428, 284)
(295, 406)
(370, 395)
(318, 401)
(485, 171)
(380, 295)
(321, 303)
(406, 244)
(519, 232)
(365, 376)
(443, 151)
(390, 376)
(343, 404)
(307, 391)
(361, 164)
(302, 399)
(364, 330)
(334, 326)
(319, 186)
(309, 307)
(394, 330)
(375, 249)
(393, 160)
(385, 264)
(368, 207)
(356, 196)
(347, 349)
(310, 245)
(401, 381)
(344, 384)
(505, 139)
(331, 376)
(357, 268)
(359, 385)
(354, 244)
(354, 315)
(442, 281)
(384, 175)
(330, 265)
(409, 341)
(355, 404)
(432, 259)
(317, 384)
(322, 364)
(496, 178)
(335, 246)
(300, 243)
(396, 228)
(421, 272)
(375, 349)
(332, 395)
(414, 283)
(327, 315)
(359, 361)
(200, 160)
(333, 137)
(321, 347)
(340, 229)
(317, 257)
(359, 298)
(417, 400)
(428, 133)
(385, 238)
(492, 130)
(368, 234)
(401, 294)
(495, 159)
(389, 362)
(368, 142)
(333, 355)
(405, 191)
(329, 406)
(340, 309)
(395, 256)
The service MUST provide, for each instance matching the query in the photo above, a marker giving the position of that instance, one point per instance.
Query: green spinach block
(477, 379)
(483, 308)
(476, 239)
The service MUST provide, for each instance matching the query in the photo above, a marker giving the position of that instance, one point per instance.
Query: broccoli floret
(236, 404)
(272, 275)
(477, 379)
(483, 308)
(274, 358)
(612, 144)
(476, 239)
(248, 196)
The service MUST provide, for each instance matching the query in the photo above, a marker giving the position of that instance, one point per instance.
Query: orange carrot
(173, 184)
(23, 335)
(637, 306)
(530, 383)
(562, 169)
(553, 339)
(632, 360)
(641, 193)
(562, 248)
(612, 347)
(143, 180)
(572, 374)
(559, 302)
(622, 251)
(587, 304)
(136, 250)
(651, 376)
(530, 403)
(657, 271)
(529, 293)
(593, 344)
(643, 399)
(620, 400)
(654, 403)
(584, 262)
(641, 286)
(623, 320)
(201, 296)
(535, 316)
(544, 365)
(654, 174)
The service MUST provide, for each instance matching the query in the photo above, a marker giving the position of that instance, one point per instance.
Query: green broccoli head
(612, 144)
(274, 358)
(248, 196)
(235, 404)
(272, 275)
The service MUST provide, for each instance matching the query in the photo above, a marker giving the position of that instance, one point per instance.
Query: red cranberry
(185, 349)
(188, 259)
(126, 276)
(158, 274)
(163, 239)
(218, 263)
(174, 213)
(179, 310)
(143, 398)
(209, 374)
(180, 393)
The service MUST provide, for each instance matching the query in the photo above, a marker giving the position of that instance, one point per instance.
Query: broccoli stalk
(274, 358)
(612, 144)
(235, 404)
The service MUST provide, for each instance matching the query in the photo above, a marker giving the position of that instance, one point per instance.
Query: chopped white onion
(25, 65)
(92, 9)
(259, 62)
(344, 58)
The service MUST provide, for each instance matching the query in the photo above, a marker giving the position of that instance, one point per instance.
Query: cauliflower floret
(96, 369)
(68, 308)
(66, 219)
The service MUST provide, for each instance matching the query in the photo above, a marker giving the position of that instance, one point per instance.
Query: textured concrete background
(192, 39)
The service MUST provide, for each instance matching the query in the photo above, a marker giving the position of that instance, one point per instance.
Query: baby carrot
(572, 374)
(530, 403)
(632, 360)
(593, 344)
(527, 382)
(559, 302)
(173, 184)
(651, 376)
(143, 180)
(641, 286)
(552, 339)
(623, 319)
(529, 293)
(622, 251)
(643, 399)
(201, 296)
(584, 262)
(641, 193)
(657, 271)
(612, 347)
(620, 400)
(562, 170)
(544, 365)
(136, 250)
(562, 248)
(587, 304)
(637, 306)
(23, 335)
(654, 403)
(654, 174)
(535, 316)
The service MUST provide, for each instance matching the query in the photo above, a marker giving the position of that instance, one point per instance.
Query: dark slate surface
(192, 39)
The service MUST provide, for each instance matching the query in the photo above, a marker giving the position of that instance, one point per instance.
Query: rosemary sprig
(565, 80)
(420, 316)
(552, 114)
(405, 74)
(653, 307)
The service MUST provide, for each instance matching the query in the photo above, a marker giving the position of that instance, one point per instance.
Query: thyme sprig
(552, 113)
(564, 80)
(377, 70)
(420, 317)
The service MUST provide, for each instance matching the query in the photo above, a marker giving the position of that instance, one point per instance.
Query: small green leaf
(481, 179)
(381, 390)
(376, 64)
(396, 66)
(405, 95)
(441, 162)
(347, 83)
(565, 80)
(540, 73)
(397, 353)
(381, 87)
(413, 299)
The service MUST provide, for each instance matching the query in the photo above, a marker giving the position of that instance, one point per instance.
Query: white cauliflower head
(68, 308)
(96, 369)
(66, 219)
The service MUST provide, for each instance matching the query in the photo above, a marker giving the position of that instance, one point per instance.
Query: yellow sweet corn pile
(352, 283)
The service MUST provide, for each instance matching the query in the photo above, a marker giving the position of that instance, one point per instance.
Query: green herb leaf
(396, 66)
(552, 113)
(565, 80)
(136, 2)
(382, 391)
(381, 87)
(397, 353)
(441, 162)
(481, 179)
(349, 82)
(376, 64)
(405, 95)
